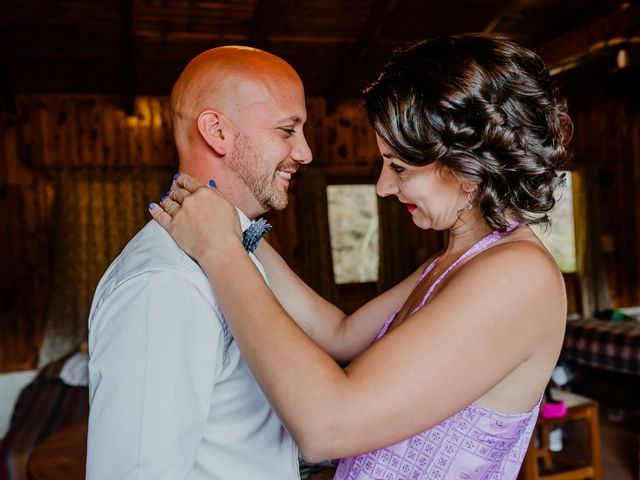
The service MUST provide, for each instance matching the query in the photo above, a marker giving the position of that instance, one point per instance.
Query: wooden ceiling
(134, 47)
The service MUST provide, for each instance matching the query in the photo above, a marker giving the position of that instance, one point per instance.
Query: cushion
(44, 406)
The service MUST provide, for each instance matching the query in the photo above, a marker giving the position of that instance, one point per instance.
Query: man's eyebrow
(292, 119)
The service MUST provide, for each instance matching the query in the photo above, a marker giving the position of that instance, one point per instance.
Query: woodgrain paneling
(91, 142)
(63, 159)
(607, 138)
(138, 47)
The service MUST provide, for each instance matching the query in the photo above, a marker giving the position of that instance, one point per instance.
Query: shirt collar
(244, 220)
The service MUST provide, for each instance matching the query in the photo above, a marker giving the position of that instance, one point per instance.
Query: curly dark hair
(486, 109)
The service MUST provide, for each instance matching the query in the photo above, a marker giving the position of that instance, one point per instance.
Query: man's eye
(288, 131)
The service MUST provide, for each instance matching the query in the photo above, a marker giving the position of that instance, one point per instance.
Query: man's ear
(210, 126)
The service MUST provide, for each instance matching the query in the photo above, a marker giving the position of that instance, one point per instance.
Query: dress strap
(427, 270)
(482, 244)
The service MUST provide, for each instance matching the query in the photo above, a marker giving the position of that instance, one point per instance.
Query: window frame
(352, 295)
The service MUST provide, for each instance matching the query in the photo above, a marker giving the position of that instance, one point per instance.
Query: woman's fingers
(189, 183)
(197, 218)
(169, 205)
(179, 194)
(159, 215)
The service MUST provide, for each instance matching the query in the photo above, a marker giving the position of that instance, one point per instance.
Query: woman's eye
(396, 168)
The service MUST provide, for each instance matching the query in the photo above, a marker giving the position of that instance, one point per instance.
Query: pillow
(44, 406)
(10, 386)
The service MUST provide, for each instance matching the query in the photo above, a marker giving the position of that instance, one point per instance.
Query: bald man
(171, 396)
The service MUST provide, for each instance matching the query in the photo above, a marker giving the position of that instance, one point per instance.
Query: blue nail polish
(166, 194)
(212, 184)
(176, 175)
(152, 206)
(164, 197)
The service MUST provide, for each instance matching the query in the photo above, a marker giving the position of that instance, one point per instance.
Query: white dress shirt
(171, 396)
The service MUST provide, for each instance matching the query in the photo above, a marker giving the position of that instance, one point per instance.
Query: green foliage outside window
(560, 238)
(353, 226)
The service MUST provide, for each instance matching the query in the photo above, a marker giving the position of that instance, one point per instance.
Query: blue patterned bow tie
(252, 235)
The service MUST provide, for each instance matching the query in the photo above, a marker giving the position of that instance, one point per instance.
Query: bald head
(238, 114)
(226, 78)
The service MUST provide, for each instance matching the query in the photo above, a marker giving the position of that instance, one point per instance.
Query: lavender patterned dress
(474, 444)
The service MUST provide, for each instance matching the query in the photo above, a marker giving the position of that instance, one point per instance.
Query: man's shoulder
(153, 248)
(150, 252)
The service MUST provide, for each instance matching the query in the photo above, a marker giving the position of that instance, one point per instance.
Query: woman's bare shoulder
(517, 273)
(521, 255)
(511, 276)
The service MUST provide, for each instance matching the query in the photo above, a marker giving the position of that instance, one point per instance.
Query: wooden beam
(130, 70)
(576, 46)
(381, 10)
(260, 22)
(509, 16)
(7, 88)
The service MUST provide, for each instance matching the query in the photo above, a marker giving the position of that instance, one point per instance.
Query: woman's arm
(341, 336)
(481, 327)
(445, 357)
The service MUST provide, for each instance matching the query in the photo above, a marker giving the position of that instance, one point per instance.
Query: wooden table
(579, 409)
(62, 455)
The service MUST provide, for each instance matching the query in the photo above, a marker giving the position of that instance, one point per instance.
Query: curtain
(95, 213)
(315, 240)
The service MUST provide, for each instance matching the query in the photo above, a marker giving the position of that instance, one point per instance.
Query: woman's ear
(468, 187)
(210, 126)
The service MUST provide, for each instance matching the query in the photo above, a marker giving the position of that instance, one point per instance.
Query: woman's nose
(386, 184)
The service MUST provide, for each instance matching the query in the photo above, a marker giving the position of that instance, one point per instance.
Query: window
(559, 238)
(353, 227)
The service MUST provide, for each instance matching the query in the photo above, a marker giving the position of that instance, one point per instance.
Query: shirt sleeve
(156, 346)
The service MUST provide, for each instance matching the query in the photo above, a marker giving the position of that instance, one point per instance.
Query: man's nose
(301, 152)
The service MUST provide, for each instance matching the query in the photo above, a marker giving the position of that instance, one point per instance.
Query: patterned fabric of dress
(474, 444)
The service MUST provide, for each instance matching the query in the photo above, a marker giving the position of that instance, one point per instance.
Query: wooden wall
(44, 138)
(59, 152)
(92, 137)
(607, 148)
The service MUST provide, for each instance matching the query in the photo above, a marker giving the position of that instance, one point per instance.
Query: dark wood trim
(131, 76)
(7, 88)
(381, 10)
(509, 16)
(576, 46)
(260, 23)
(352, 296)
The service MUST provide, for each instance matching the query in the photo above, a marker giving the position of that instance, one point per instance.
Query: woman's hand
(199, 219)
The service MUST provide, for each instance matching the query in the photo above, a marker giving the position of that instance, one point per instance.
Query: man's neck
(198, 161)
(227, 183)
(237, 193)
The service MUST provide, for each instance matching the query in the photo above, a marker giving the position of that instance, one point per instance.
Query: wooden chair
(587, 467)
(62, 455)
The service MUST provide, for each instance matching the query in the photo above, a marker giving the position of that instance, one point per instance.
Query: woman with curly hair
(445, 371)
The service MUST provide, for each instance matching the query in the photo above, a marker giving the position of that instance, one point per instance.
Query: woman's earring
(469, 201)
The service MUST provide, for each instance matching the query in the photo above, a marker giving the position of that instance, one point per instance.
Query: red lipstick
(411, 207)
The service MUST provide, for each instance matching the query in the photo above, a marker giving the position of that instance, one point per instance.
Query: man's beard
(257, 174)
